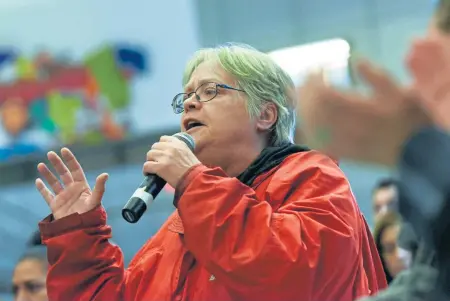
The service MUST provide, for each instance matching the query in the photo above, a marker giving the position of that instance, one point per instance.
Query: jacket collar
(267, 160)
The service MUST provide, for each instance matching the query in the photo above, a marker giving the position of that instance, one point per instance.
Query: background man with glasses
(258, 218)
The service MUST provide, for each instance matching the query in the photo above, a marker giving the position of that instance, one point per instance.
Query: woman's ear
(267, 117)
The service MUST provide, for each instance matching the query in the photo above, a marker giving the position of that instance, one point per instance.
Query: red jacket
(296, 234)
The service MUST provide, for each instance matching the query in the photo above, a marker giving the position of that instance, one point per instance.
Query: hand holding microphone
(167, 161)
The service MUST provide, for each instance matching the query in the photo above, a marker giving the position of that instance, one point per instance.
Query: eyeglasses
(203, 93)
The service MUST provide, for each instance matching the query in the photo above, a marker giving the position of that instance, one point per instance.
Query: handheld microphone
(149, 189)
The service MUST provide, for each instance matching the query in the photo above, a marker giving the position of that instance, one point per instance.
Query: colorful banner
(48, 100)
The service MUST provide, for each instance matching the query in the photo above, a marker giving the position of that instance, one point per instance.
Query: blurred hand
(429, 64)
(73, 195)
(170, 158)
(354, 126)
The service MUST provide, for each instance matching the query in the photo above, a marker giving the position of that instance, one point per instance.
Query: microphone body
(149, 189)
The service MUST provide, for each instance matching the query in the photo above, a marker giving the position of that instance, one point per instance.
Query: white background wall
(378, 29)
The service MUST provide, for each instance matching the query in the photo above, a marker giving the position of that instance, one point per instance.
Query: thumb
(99, 188)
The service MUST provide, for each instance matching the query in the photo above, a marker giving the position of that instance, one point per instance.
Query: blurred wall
(378, 29)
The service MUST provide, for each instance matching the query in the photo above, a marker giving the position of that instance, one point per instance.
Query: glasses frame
(178, 108)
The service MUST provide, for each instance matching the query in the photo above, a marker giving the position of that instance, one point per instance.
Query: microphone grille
(186, 138)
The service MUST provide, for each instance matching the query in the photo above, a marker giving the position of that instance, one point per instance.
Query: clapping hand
(355, 126)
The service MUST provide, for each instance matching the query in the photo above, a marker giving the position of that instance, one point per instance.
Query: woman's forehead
(209, 71)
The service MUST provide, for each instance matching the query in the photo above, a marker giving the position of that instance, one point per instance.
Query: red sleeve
(305, 244)
(83, 265)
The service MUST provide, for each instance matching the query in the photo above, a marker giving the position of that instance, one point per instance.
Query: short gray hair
(260, 77)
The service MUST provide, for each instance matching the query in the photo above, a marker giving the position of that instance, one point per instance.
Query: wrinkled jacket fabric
(295, 233)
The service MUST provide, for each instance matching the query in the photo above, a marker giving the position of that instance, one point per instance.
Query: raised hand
(354, 126)
(72, 194)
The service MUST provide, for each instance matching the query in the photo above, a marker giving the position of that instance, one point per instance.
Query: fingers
(429, 65)
(67, 173)
(167, 139)
(421, 60)
(44, 191)
(168, 142)
(154, 155)
(334, 109)
(315, 80)
(50, 178)
(150, 167)
(73, 165)
(310, 93)
(318, 103)
(99, 188)
(160, 145)
(60, 167)
(379, 80)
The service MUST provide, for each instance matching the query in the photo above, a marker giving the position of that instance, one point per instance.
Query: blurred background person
(393, 258)
(30, 273)
(384, 198)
